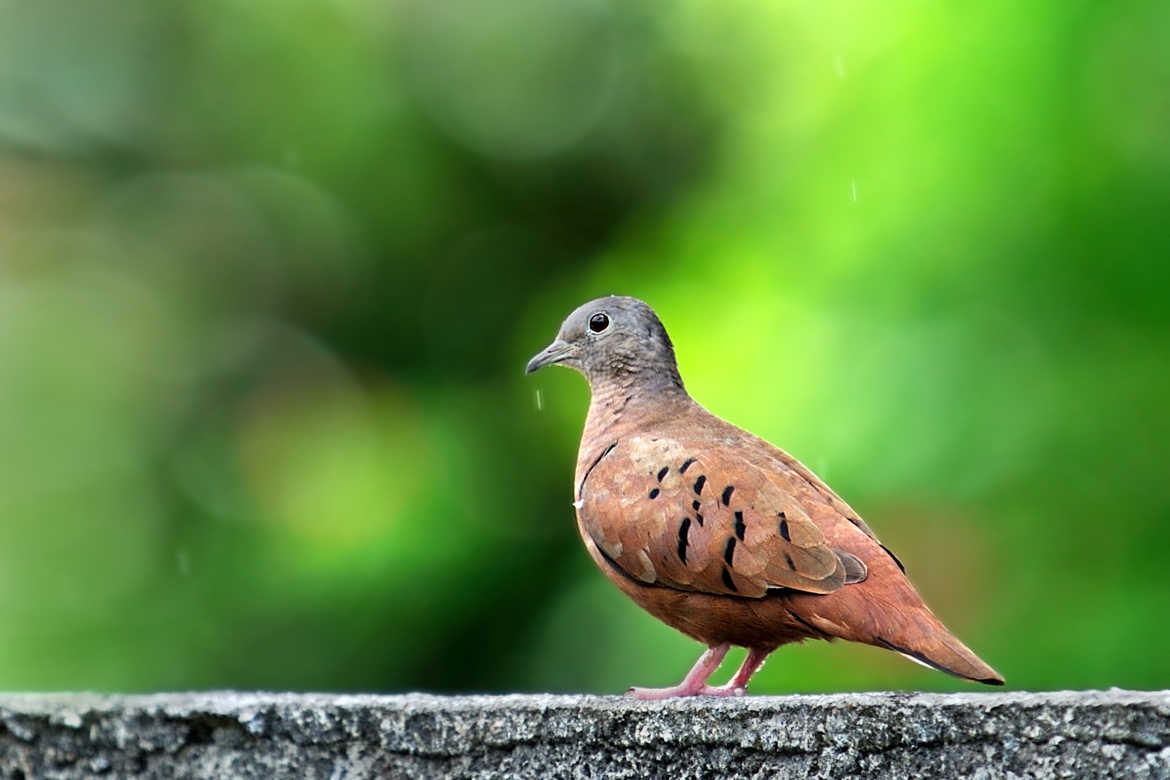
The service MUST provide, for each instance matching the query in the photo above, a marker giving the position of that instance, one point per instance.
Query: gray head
(614, 339)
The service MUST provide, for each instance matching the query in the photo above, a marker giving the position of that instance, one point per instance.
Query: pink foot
(695, 683)
(675, 691)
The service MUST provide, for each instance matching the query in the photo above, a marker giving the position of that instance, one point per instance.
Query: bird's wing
(706, 519)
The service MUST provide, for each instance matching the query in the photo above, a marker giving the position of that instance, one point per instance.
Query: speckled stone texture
(260, 735)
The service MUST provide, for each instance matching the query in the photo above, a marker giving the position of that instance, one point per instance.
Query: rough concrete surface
(259, 735)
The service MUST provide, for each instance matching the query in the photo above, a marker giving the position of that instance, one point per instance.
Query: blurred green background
(270, 272)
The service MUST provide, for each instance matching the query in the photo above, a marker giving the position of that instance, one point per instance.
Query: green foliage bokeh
(270, 271)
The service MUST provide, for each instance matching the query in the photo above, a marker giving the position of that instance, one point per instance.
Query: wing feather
(707, 520)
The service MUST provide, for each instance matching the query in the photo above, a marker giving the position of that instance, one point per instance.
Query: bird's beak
(553, 353)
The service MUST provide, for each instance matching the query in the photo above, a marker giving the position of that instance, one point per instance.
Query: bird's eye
(598, 322)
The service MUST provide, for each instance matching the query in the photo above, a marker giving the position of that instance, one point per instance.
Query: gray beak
(553, 353)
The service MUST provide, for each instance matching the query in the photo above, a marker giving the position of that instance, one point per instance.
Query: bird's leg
(696, 680)
(737, 685)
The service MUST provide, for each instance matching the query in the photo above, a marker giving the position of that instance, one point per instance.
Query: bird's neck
(620, 406)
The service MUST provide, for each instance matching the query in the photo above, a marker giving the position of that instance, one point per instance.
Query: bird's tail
(922, 638)
(898, 620)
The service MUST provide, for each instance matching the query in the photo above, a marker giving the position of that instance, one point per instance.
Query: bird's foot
(695, 683)
(678, 691)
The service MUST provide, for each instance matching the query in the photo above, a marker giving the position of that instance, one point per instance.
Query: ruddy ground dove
(716, 532)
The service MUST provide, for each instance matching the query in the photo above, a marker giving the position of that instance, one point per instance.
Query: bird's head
(613, 339)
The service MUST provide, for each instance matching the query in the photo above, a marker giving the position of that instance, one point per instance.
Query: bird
(717, 532)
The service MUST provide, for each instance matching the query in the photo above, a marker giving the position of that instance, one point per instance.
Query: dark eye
(598, 322)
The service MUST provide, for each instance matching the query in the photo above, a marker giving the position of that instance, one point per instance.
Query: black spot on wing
(861, 526)
(784, 528)
(699, 519)
(788, 560)
(729, 582)
(702, 480)
(662, 472)
(686, 465)
(815, 631)
(606, 451)
(654, 493)
(729, 550)
(740, 528)
(727, 491)
(683, 528)
(695, 505)
(895, 557)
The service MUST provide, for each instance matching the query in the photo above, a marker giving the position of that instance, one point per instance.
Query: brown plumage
(715, 531)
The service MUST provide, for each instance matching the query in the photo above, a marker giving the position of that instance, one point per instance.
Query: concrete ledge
(1070, 734)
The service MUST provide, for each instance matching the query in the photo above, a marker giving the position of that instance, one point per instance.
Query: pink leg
(696, 680)
(737, 685)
